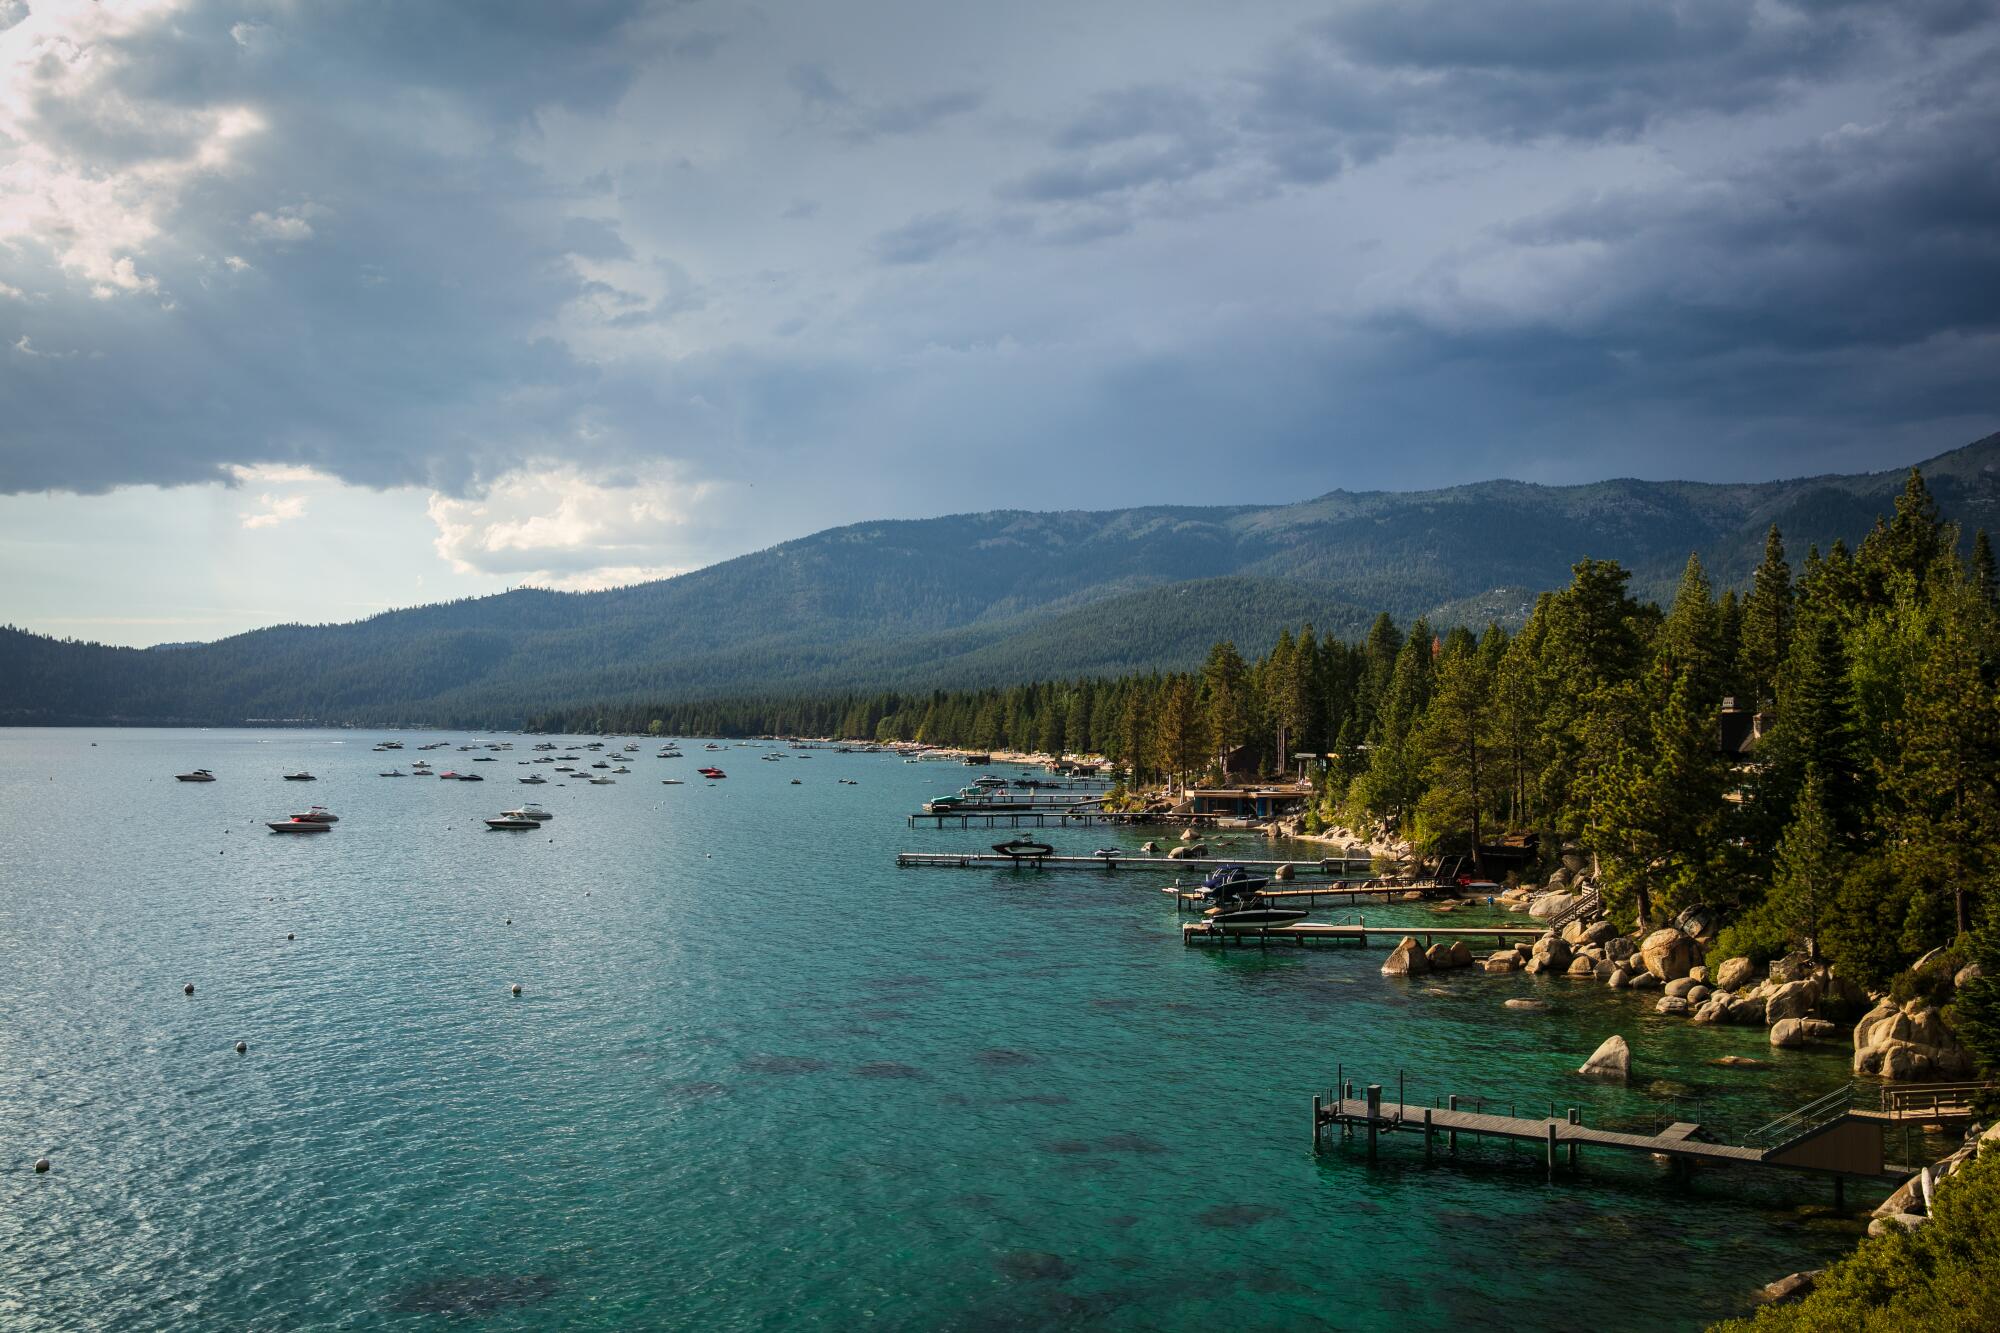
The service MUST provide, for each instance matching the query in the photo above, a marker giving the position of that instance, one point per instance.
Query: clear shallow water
(758, 1076)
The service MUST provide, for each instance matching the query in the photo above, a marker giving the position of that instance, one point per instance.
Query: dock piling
(1451, 1135)
(1374, 1114)
(1428, 1134)
(1315, 1124)
(1552, 1148)
(1575, 1118)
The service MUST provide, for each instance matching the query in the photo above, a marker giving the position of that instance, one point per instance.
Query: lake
(758, 1077)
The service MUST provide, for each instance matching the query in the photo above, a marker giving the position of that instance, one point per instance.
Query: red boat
(711, 773)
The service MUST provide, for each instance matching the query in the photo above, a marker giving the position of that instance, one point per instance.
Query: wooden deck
(1678, 1141)
(1302, 933)
(1331, 865)
(1311, 895)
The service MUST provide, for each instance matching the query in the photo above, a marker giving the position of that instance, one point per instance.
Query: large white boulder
(1612, 1059)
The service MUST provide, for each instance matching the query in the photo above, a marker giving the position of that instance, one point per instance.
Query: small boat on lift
(199, 775)
(1024, 849)
(1240, 903)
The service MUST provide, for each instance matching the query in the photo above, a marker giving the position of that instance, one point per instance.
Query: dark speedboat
(512, 823)
(199, 775)
(1236, 880)
(1024, 849)
(299, 826)
(1240, 904)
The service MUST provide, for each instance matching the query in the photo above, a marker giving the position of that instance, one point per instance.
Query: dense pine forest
(1862, 824)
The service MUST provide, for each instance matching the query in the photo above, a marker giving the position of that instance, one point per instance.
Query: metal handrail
(1591, 902)
(1815, 1114)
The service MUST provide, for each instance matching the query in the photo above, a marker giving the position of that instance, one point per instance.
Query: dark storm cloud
(1556, 235)
(922, 238)
(859, 120)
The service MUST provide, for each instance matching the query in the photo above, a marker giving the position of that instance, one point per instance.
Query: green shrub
(1940, 1278)
(1756, 937)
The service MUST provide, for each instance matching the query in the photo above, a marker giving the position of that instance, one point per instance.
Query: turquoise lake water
(758, 1077)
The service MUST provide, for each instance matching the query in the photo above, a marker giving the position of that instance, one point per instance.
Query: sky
(310, 310)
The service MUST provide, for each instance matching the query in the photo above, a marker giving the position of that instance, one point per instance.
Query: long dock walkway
(1329, 865)
(973, 817)
(1346, 895)
(1830, 1136)
(1317, 932)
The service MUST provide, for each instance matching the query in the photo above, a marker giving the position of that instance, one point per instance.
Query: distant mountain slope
(975, 598)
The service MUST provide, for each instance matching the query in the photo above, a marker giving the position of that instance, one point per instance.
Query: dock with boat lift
(1302, 933)
(1339, 895)
(1328, 865)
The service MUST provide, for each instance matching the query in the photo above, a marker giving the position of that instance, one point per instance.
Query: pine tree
(1767, 621)
(1940, 775)
(1076, 720)
(1690, 639)
(1454, 743)
(1810, 864)
(1225, 696)
(1655, 808)
(1985, 575)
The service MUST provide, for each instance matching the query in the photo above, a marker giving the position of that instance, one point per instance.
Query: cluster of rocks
(1800, 1001)
(1908, 1042)
(1410, 959)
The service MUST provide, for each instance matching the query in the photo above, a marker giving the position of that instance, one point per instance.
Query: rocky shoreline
(1800, 1001)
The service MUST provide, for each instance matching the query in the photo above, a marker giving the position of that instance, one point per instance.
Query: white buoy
(242, 1046)
(188, 989)
(517, 988)
(41, 1165)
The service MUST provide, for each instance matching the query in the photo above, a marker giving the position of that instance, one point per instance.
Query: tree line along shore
(1853, 815)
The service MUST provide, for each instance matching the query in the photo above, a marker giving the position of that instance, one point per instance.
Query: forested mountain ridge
(976, 598)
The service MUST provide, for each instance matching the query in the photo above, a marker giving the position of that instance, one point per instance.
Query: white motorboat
(530, 811)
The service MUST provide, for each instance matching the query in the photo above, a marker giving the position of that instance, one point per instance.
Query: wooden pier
(1301, 933)
(1831, 1136)
(1330, 865)
(1063, 817)
(1311, 895)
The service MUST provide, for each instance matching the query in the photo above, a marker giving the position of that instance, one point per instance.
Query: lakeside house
(1252, 803)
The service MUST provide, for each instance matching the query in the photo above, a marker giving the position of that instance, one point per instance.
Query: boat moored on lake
(199, 775)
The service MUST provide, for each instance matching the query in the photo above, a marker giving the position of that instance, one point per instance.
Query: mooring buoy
(188, 989)
(242, 1046)
(41, 1165)
(517, 988)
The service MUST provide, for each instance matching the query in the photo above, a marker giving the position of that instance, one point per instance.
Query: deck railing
(1815, 1114)
(1933, 1097)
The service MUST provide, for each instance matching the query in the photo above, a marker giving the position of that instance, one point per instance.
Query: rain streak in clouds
(612, 289)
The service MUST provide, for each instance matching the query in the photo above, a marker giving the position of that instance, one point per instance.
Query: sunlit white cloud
(557, 527)
(276, 509)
